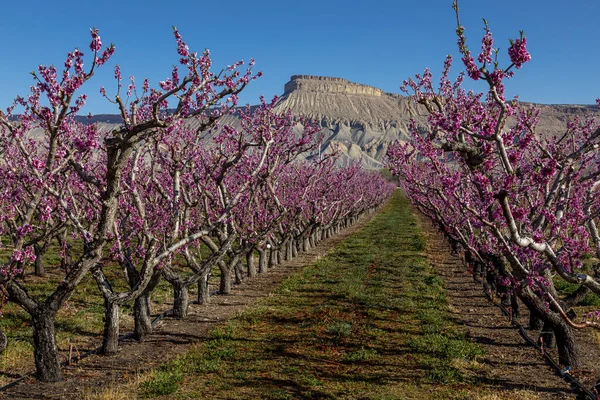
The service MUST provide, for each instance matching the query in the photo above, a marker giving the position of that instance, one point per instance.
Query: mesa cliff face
(325, 84)
(357, 119)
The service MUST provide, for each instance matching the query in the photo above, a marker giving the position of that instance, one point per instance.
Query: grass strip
(369, 320)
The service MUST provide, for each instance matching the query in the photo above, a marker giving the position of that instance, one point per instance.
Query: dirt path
(510, 363)
(172, 337)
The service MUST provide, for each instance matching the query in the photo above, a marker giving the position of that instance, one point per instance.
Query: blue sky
(379, 43)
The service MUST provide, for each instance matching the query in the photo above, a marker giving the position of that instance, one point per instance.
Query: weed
(360, 355)
(340, 330)
(162, 383)
(418, 242)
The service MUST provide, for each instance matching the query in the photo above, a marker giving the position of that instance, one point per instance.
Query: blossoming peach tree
(172, 192)
(523, 204)
(68, 179)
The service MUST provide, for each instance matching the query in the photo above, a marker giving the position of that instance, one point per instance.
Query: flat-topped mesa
(324, 84)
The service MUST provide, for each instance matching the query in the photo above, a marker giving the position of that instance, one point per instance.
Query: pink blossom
(518, 51)
(96, 43)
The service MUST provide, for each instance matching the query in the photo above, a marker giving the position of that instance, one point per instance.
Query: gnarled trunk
(288, 250)
(38, 265)
(239, 273)
(141, 309)
(203, 293)
(566, 342)
(250, 264)
(271, 262)
(278, 257)
(45, 351)
(181, 300)
(225, 279)
(110, 336)
(568, 351)
(142, 318)
(262, 261)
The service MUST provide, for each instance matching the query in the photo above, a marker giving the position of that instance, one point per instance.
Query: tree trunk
(262, 261)
(294, 248)
(568, 351)
(141, 309)
(181, 300)
(225, 280)
(311, 240)
(288, 251)
(45, 351)
(203, 293)
(3, 341)
(142, 318)
(271, 258)
(305, 245)
(39, 269)
(110, 336)
(547, 335)
(278, 257)
(535, 322)
(250, 264)
(239, 273)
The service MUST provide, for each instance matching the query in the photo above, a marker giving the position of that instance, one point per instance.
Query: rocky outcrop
(358, 120)
(325, 84)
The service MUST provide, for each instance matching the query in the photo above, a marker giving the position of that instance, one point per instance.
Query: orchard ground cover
(170, 338)
(389, 313)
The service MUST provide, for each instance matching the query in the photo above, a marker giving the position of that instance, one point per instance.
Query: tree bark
(305, 244)
(225, 280)
(547, 335)
(278, 257)
(39, 269)
(568, 351)
(288, 250)
(250, 264)
(142, 318)
(271, 262)
(141, 310)
(110, 336)
(3, 341)
(239, 273)
(262, 261)
(181, 300)
(203, 293)
(45, 351)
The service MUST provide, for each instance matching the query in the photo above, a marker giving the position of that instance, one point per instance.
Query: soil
(509, 364)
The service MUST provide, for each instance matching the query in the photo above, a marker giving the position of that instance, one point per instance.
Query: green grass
(369, 320)
(79, 322)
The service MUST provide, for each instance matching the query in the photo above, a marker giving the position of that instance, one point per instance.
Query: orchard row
(155, 197)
